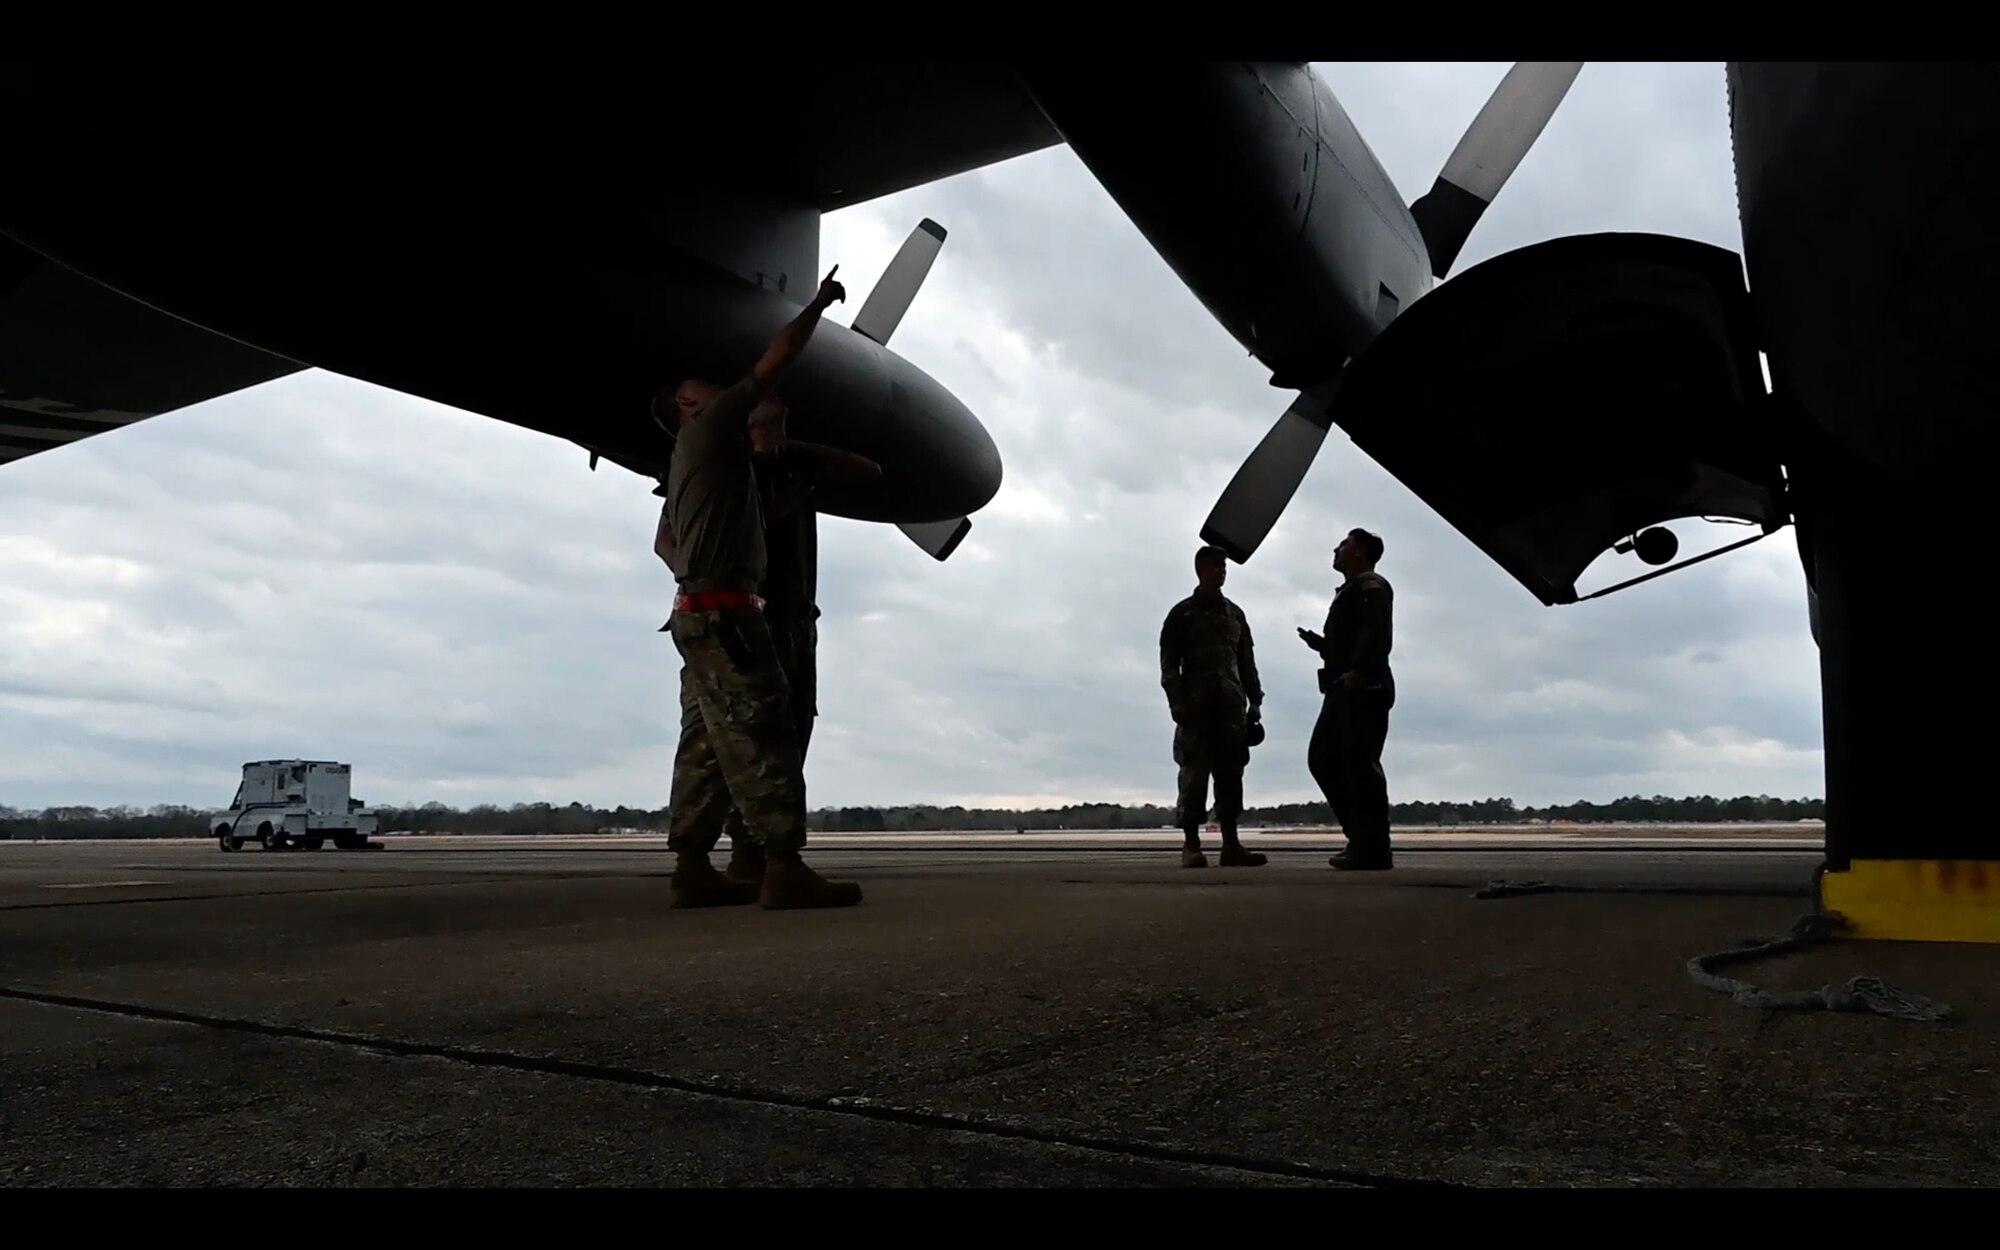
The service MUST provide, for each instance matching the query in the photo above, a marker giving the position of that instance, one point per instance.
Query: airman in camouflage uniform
(739, 743)
(1208, 668)
(789, 478)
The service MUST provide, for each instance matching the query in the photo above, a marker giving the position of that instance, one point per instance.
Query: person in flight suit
(1345, 755)
(1208, 668)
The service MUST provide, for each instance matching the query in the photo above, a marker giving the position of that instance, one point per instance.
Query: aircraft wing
(77, 359)
(840, 133)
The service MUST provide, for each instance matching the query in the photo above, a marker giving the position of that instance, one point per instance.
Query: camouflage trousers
(738, 746)
(796, 639)
(1212, 739)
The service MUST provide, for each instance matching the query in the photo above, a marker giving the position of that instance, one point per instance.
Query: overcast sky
(322, 568)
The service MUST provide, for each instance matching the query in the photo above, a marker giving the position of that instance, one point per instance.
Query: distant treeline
(526, 818)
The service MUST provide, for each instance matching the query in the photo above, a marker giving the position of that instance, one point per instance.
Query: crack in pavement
(1085, 1039)
(482, 879)
(849, 1107)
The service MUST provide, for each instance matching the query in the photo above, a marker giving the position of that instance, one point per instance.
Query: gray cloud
(467, 613)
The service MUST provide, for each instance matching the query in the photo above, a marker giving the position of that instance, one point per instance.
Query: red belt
(716, 601)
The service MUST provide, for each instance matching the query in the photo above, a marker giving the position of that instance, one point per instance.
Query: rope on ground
(1861, 993)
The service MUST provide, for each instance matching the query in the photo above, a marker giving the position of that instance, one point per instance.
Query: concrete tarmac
(1073, 1012)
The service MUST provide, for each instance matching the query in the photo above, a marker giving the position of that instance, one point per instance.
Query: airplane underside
(496, 265)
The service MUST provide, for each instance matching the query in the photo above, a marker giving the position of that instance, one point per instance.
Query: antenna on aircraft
(879, 316)
(1486, 156)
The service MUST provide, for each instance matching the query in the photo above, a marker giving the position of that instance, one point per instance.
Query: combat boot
(1191, 856)
(746, 864)
(696, 883)
(1354, 859)
(789, 884)
(1234, 855)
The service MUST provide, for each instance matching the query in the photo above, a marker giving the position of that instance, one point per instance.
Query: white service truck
(286, 803)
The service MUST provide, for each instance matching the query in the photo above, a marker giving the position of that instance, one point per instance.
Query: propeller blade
(938, 538)
(899, 283)
(879, 316)
(1487, 155)
(1251, 503)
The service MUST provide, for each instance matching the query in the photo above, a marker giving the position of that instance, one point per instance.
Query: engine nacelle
(1255, 187)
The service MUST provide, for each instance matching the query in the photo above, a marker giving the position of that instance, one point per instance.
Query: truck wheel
(226, 842)
(312, 844)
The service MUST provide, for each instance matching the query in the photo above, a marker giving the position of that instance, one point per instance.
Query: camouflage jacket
(786, 485)
(1206, 652)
